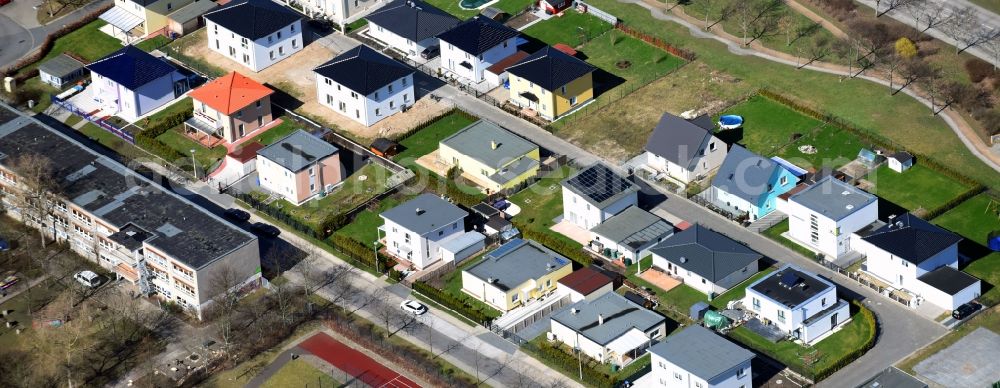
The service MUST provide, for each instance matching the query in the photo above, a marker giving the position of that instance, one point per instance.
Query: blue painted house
(750, 183)
(129, 83)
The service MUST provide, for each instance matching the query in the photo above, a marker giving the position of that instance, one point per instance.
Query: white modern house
(799, 303)
(684, 150)
(595, 194)
(254, 33)
(364, 85)
(915, 255)
(409, 26)
(299, 167)
(609, 328)
(337, 11)
(823, 217)
(706, 260)
(130, 83)
(697, 357)
(415, 230)
(474, 45)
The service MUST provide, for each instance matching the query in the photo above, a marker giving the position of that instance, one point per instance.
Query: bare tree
(993, 47)
(928, 14)
(755, 18)
(968, 30)
(37, 194)
(225, 306)
(892, 62)
(819, 48)
(883, 7)
(913, 70)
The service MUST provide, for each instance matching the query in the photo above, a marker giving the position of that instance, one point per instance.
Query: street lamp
(579, 354)
(194, 164)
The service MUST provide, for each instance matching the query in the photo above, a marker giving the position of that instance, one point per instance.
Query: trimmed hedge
(569, 364)
(974, 191)
(869, 318)
(451, 302)
(457, 194)
(50, 41)
(147, 138)
(360, 252)
(562, 247)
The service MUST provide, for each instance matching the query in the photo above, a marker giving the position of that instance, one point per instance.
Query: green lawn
(541, 203)
(183, 105)
(206, 157)
(40, 92)
(299, 373)
(111, 141)
(775, 233)
(916, 188)
(568, 28)
(364, 227)
(869, 105)
(358, 188)
(850, 337)
(86, 42)
(769, 127)
(739, 291)
(427, 139)
(39, 295)
(153, 43)
(974, 220)
(451, 6)
(453, 286)
(287, 126)
(645, 61)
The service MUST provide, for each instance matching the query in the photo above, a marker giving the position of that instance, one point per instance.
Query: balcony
(204, 124)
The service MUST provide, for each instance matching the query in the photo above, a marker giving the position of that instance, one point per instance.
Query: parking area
(969, 362)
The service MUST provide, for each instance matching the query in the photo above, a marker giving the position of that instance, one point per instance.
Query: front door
(833, 320)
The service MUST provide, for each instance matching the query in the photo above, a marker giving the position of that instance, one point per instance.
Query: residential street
(21, 33)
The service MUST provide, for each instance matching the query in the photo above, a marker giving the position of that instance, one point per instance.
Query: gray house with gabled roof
(415, 230)
(697, 357)
(609, 328)
(684, 150)
(706, 260)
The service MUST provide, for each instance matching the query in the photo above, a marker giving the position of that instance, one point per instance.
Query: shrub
(450, 301)
(905, 48)
(359, 252)
(869, 318)
(974, 191)
(333, 222)
(978, 69)
(568, 363)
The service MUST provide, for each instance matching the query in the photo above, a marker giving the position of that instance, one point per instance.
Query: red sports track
(355, 363)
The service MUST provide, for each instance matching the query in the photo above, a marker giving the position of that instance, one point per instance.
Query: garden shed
(61, 70)
(188, 18)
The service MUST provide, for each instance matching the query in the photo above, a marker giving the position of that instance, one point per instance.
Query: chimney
(420, 211)
(493, 144)
(600, 319)
(572, 311)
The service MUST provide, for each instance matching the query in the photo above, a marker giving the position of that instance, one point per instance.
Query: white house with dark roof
(909, 252)
(609, 329)
(515, 274)
(130, 83)
(749, 183)
(254, 33)
(799, 303)
(900, 161)
(697, 357)
(299, 167)
(823, 217)
(595, 194)
(415, 230)
(470, 47)
(364, 85)
(684, 150)
(409, 26)
(629, 234)
(706, 260)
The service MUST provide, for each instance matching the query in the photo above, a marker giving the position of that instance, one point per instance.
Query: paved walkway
(20, 287)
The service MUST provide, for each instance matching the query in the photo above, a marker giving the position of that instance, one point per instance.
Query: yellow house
(551, 83)
(142, 17)
(491, 156)
(515, 274)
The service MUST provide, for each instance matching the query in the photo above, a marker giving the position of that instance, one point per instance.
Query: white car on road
(412, 306)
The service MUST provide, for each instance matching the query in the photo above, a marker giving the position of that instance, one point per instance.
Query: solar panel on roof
(506, 248)
(600, 183)
(790, 279)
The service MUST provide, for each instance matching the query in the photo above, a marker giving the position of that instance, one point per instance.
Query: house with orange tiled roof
(230, 107)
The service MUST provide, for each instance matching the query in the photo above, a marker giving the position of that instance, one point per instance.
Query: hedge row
(869, 318)
(569, 364)
(867, 136)
(50, 41)
(562, 247)
(399, 137)
(450, 301)
(457, 194)
(360, 252)
(974, 191)
(656, 42)
(278, 214)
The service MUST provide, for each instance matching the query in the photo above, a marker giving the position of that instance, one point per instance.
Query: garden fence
(599, 13)
(99, 121)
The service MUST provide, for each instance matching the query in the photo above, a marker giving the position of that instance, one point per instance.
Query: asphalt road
(17, 40)
(20, 32)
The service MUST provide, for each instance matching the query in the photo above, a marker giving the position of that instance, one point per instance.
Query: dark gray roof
(791, 286)
(600, 185)
(363, 70)
(634, 227)
(948, 279)
(701, 352)
(902, 156)
(746, 175)
(297, 151)
(477, 139)
(477, 35)
(620, 316)
(253, 19)
(833, 198)
(132, 67)
(706, 252)
(192, 11)
(130, 237)
(412, 19)
(425, 213)
(893, 378)
(60, 66)
(550, 68)
(678, 140)
(912, 239)
(516, 262)
(120, 197)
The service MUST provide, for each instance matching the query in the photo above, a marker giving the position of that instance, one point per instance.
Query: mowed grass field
(975, 219)
(920, 187)
(572, 29)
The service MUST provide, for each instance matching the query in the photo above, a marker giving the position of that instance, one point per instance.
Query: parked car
(9, 280)
(430, 52)
(965, 310)
(413, 307)
(265, 229)
(236, 215)
(88, 278)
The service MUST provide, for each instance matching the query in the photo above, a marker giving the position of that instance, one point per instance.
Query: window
(312, 171)
(781, 315)
(740, 373)
(281, 50)
(293, 27)
(377, 112)
(711, 146)
(272, 54)
(454, 225)
(548, 283)
(505, 44)
(514, 298)
(294, 44)
(390, 88)
(440, 233)
(756, 304)
(312, 187)
(270, 39)
(406, 238)
(678, 376)
(258, 103)
(328, 81)
(217, 45)
(784, 180)
(822, 303)
(703, 281)
(404, 81)
(406, 97)
(375, 96)
(392, 104)
(698, 384)
(354, 95)
(563, 89)
(329, 99)
(279, 34)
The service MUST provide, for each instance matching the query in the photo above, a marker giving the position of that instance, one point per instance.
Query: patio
(576, 233)
(769, 332)
(660, 279)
